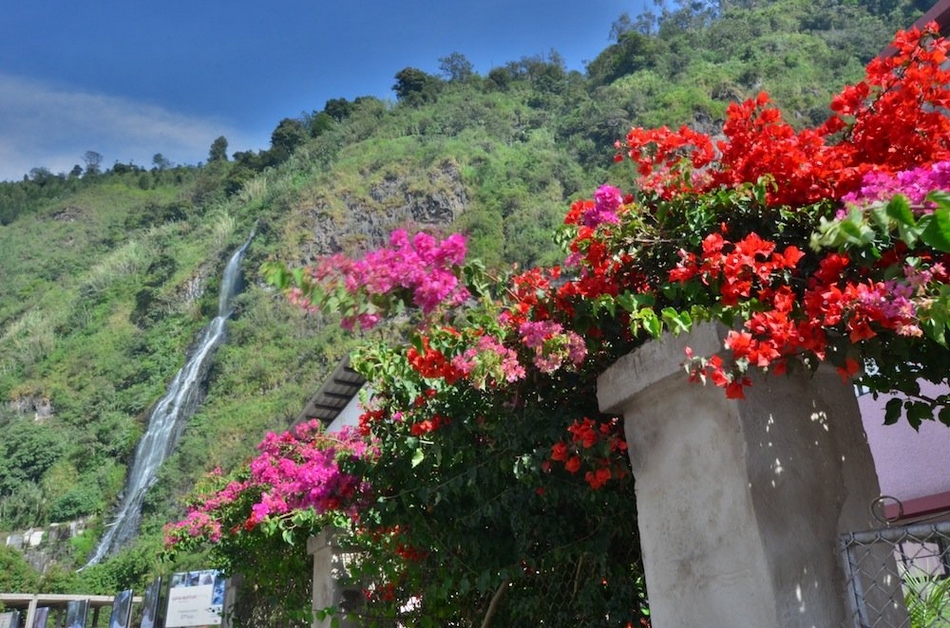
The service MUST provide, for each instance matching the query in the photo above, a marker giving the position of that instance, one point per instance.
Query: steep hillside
(106, 278)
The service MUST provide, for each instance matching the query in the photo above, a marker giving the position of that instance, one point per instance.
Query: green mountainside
(106, 276)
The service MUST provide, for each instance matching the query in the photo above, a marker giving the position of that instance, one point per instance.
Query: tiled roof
(337, 391)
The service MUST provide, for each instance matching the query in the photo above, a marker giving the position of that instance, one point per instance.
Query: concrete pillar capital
(740, 502)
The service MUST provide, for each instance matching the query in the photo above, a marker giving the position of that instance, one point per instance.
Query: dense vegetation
(107, 274)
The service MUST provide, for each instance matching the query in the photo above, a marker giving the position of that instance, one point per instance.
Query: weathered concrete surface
(740, 502)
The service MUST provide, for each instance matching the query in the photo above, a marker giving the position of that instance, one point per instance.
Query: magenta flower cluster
(296, 470)
(488, 360)
(904, 300)
(552, 346)
(422, 266)
(607, 202)
(197, 524)
(300, 470)
(915, 184)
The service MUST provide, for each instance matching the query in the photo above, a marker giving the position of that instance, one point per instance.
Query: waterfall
(168, 417)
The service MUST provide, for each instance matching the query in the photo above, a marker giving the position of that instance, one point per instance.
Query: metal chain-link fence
(582, 592)
(899, 576)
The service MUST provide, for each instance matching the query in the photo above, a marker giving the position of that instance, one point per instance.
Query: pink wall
(910, 464)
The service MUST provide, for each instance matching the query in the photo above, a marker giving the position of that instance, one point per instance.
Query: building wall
(911, 465)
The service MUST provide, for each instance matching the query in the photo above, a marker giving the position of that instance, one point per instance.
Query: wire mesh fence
(899, 576)
(566, 594)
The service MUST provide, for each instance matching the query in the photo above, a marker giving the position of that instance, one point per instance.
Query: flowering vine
(826, 244)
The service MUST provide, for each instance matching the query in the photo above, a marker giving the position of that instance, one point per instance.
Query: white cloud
(42, 125)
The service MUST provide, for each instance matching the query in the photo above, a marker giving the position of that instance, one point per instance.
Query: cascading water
(169, 416)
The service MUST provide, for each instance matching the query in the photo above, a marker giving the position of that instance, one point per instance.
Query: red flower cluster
(779, 322)
(736, 266)
(598, 444)
(384, 592)
(432, 363)
(530, 291)
(713, 368)
(658, 154)
(874, 113)
(739, 272)
(891, 121)
(367, 419)
(428, 425)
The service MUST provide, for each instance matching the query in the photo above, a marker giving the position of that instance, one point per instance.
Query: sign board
(121, 616)
(150, 604)
(10, 619)
(76, 612)
(195, 599)
(40, 617)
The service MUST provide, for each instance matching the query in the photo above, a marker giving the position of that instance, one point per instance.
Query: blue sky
(130, 79)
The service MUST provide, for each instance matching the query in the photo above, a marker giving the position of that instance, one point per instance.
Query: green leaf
(288, 535)
(608, 303)
(879, 215)
(416, 340)
(941, 198)
(632, 302)
(324, 613)
(417, 457)
(935, 320)
(917, 412)
(484, 581)
(651, 322)
(937, 231)
(856, 232)
(935, 329)
(908, 234)
(678, 322)
(276, 274)
(892, 411)
(634, 326)
(826, 235)
(944, 415)
(760, 190)
(299, 275)
(899, 209)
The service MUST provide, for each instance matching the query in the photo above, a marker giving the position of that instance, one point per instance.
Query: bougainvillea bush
(257, 519)
(498, 489)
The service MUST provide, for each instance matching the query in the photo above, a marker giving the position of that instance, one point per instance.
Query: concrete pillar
(328, 567)
(740, 502)
(31, 613)
(232, 590)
